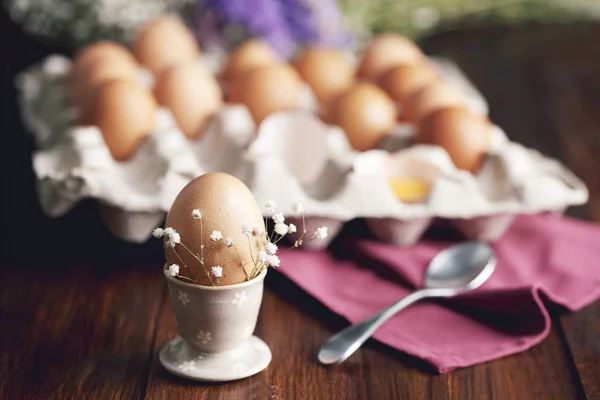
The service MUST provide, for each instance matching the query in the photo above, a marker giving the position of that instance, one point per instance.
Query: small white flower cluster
(173, 270)
(215, 236)
(217, 271)
(169, 234)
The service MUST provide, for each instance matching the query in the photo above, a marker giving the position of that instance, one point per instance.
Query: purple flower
(284, 24)
(236, 20)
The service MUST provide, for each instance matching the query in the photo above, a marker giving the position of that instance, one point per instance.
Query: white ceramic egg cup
(215, 324)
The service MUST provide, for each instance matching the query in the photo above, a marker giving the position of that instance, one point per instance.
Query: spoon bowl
(463, 266)
(458, 269)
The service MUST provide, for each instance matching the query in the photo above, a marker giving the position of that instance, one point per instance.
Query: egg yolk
(409, 190)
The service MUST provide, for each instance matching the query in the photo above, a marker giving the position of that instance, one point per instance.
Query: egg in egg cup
(218, 249)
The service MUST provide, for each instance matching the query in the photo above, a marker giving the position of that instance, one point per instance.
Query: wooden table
(82, 315)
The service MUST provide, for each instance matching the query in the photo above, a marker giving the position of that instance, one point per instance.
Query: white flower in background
(262, 256)
(247, 230)
(320, 233)
(298, 208)
(217, 271)
(204, 337)
(174, 238)
(259, 230)
(291, 228)
(281, 229)
(273, 260)
(196, 214)
(270, 206)
(228, 242)
(271, 248)
(215, 236)
(183, 298)
(425, 17)
(173, 270)
(278, 218)
(239, 299)
(187, 366)
(168, 231)
(158, 233)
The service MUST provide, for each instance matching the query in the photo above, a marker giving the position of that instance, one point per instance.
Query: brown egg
(96, 64)
(328, 72)
(165, 42)
(125, 113)
(386, 51)
(226, 204)
(429, 98)
(267, 89)
(465, 136)
(191, 93)
(404, 80)
(247, 56)
(366, 114)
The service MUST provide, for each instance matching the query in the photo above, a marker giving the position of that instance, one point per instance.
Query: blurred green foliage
(415, 18)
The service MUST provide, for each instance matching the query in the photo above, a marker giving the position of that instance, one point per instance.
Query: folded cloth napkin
(541, 258)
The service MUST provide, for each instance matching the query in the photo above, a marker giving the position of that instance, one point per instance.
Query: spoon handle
(344, 343)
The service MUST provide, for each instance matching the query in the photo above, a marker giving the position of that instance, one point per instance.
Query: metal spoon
(455, 270)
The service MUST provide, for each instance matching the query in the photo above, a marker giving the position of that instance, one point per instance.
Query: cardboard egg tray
(292, 156)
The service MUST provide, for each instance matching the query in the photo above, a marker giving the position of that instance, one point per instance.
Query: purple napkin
(540, 258)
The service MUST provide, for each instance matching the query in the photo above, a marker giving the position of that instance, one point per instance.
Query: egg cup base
(250, 358)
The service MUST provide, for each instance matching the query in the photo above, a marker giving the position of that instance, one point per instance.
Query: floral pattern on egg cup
(215, 325)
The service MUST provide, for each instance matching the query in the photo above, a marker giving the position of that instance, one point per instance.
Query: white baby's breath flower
(215, 236)
(173, 270)
(174, 238)
(228, 242)
(298, 208)
(158, 233)
(320, 233)
(281, 229)
(271, 248)
(168, 231)
(270, 206)
(278, 218)
(217, 271)
(262, 256)
(273, 260)
(291, 228)
(259, 230)
(247, 230)
(196, 214)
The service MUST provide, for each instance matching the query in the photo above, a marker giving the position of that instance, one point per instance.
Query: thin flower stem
(209, 250)
(201, 263)
(185, 277)
(195, 256)
(241, 263)
(250, 248)
(185, 265)
(201, 241)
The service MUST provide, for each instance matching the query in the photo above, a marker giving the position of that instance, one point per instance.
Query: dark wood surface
(82, 315)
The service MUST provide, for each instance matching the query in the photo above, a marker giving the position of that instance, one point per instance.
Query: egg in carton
(73, 162)
(290, 157)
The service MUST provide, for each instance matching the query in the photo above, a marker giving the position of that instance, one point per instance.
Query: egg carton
(292, 156)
